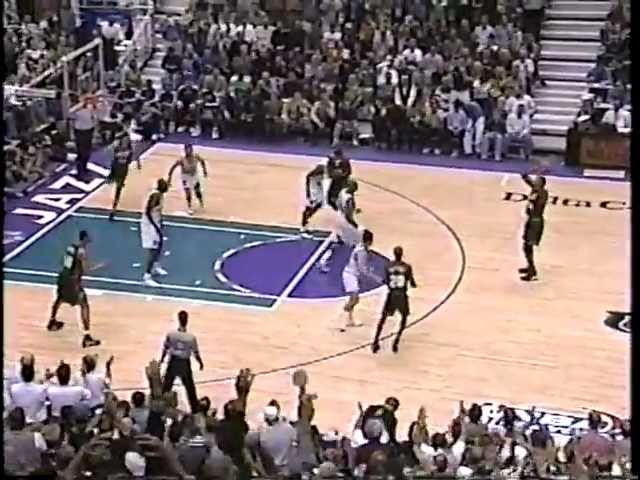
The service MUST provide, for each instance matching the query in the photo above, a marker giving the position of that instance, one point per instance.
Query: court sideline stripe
(66, 214)
(137, 282)
(313, 157)
(164, 297)
(189, 225)
(306, 266)
(423, 317)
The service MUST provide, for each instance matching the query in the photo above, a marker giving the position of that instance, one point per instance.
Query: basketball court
(258, 300)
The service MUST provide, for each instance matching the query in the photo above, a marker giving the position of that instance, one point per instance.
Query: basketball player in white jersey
(346, 230)
(190, 178)
(314, 192)
(357, 267)
(151, 232)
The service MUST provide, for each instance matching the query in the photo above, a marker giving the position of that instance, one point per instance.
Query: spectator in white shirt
(519, 132)
(412, 54)
(332, 37)
(483, 31)
(63, 394)
(387, 73)
(29, 396)
(97, 383)
(457, 122)
(513, 102)
(619, 118)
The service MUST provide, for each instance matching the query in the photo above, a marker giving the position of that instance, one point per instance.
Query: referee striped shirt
(181, 344)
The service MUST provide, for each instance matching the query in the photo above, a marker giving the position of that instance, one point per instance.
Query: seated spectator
(518, 132)
(457, 121)
(617, 117)
(599, 73)
(495, 131)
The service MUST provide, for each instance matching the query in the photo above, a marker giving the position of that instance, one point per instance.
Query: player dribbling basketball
(398, 278)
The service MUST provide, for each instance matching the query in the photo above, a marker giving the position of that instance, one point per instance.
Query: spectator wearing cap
(179, 346)
(63, 394)
(277, 439)
(29, 396)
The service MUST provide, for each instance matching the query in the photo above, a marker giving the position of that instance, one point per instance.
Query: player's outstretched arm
(171, 170)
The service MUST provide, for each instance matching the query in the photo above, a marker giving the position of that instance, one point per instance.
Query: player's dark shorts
(335, 186)
(396, 303)
(533, 229)
(119, 173)
(70, 291)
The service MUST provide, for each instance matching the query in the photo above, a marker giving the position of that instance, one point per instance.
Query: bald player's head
(397, 253)
(162, 185)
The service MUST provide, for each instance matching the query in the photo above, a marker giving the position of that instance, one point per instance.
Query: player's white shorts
(315, 198)
(350, 282)
(149, 236)
(347, 232)
(189, 181)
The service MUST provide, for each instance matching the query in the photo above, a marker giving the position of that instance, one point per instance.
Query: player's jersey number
(397, 281)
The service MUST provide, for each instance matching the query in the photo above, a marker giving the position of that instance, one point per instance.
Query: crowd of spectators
(432, 79)
(609, 99)
(35, 137)
(73, 425)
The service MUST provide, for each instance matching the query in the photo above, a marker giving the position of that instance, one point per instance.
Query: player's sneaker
(395, 347)
(111, 215)
(54, 325)
(529, 277)
(158, 270)
(190, 211)
(89, 341)
(181, 129)
(149, 282)
(354, 324)
(523, 270)
(375, 347)
(215, 133)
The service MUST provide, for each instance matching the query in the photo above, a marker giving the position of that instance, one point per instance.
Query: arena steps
(570, 44)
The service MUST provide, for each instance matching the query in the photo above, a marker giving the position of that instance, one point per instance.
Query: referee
(179, 345)
(84, 122)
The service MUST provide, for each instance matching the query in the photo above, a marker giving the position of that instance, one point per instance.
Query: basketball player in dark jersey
(398, 278)
(339, 171)
(122, 156)
(314, 194)
(70, 288)
(534, 226)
